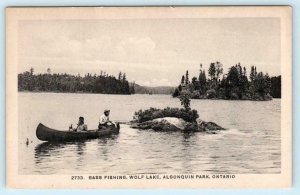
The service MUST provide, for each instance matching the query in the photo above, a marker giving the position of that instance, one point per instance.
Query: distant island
(153, 90)
(234, 85)
(48, 82)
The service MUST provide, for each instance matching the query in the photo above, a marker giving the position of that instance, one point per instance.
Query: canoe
(47, 134)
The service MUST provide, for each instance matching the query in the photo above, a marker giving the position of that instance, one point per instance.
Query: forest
(233, 85)
(48, 82)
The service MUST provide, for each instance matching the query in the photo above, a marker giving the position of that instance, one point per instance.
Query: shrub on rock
(154, 113)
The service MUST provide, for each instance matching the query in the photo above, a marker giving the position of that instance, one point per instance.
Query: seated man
(104, 120)
(81, 126)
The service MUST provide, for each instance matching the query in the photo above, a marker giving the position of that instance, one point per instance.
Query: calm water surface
(250, 145)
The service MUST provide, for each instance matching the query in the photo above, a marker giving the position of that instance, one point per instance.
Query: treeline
(102, 83)
(153, 90)
(235, 84)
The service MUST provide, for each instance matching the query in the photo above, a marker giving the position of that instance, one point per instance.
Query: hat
(106, 110)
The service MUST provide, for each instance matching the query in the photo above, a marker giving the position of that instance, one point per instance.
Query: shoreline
(215, 99)
(78, 92)
(252, 100)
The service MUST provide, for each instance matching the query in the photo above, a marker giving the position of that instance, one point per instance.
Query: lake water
(251, 143)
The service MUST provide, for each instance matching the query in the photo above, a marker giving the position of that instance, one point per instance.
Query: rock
(176, 124)
(162, 124)
(208, 126)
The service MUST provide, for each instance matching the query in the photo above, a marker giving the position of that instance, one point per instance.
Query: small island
(173, 119)
(234, 85)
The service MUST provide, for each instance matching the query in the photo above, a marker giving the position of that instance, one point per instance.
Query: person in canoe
(81, 126)
(104, 120)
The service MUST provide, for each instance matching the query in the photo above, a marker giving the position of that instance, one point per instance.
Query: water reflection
(188, 155)
(188, 135)
(80, 147)
(73, 155)
(106, 147)
(47, 150)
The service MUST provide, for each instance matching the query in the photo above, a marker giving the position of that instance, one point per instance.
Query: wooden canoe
(47, 134)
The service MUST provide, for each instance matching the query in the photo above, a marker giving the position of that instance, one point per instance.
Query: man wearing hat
(104, 120)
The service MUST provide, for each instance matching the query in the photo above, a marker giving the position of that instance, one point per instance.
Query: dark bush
(211, 94)
(195, 95)
(153, 113)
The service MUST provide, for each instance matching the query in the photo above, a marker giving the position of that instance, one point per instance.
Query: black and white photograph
(157, 96)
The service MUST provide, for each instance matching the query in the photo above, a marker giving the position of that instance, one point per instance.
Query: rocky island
(173, 119)
(176, 124)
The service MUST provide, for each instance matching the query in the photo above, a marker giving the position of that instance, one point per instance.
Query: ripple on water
(251, 143)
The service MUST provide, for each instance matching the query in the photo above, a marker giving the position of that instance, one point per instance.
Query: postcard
(149, 97)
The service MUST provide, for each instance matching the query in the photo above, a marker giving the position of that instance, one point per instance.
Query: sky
(152, 52)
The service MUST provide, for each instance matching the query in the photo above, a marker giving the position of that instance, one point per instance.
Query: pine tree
(267, 84)
(31, 71)
(199, 77)
(218, 70)
(212, 71)
(124, 77)
(239, 69)
(202, 82)
(182, 80)
(185, 100)
(120, 76)
(187, 81)
(252, 74)
(233, 76)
